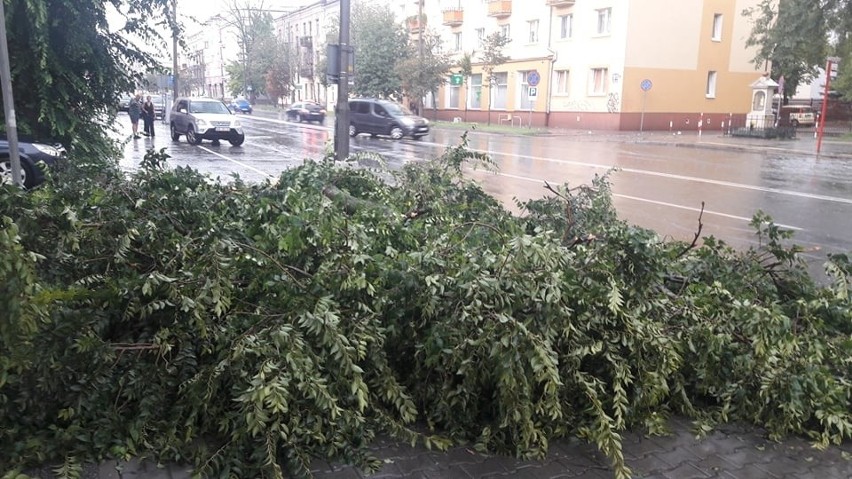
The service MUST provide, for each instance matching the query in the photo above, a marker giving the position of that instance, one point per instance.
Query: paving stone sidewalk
(730, 452)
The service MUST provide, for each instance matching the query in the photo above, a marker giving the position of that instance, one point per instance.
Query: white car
(205, 119)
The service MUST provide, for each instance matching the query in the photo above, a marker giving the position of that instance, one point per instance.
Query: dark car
(204, 119)
(159, 106)
(241, 106)
(382, 117)
(31, 154)
(306, 111)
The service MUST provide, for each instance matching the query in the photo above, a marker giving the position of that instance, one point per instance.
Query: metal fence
(744, 128)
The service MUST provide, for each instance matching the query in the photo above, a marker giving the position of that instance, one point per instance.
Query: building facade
(597, 64)
(208, 51)
(305, 31)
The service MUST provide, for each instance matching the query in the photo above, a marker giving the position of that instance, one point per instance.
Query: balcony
(453, 17)
(560, 3)
(415, 23)
(499, 8)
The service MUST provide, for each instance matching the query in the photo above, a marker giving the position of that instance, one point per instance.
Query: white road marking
(646, 200)
(730, 184)
(208, 150)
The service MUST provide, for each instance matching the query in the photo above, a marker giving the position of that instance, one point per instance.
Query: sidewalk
(730, 452)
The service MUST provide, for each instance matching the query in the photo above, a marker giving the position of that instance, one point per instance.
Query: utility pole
(341, 133)
(8, 101)
(829, 64)
(175, 74)
(421, 25)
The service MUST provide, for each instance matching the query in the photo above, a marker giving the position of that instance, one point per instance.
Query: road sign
(646, 85)
(533, 93)
(533, 78)
(455, 79)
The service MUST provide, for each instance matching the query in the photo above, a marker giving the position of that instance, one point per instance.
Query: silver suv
(205, 119)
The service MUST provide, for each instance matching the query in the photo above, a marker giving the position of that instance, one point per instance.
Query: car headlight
(47, 149)
(425, 121)
(201, 123)
(237, 124)
(407, 122)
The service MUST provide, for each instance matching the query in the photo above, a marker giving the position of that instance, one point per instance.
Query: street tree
(380, 44)
(68, 75)
(253, 26)
(465, 69)
(424, 74)
(280, 76)
(491, 57)
(796, 36)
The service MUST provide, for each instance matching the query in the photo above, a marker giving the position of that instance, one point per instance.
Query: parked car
(306, 111)
(159, 107)
(796, 115)
(124, 102)
(241, 106)
(31, 154)
(382, 117)
(204, 119)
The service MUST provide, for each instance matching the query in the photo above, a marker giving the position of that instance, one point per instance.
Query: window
(711, 84)
(475, 95)
(480, 33)
(566, 26)
(524, 102)
(379, 110)
(717, 27)
(505, 31)
(533, 24)
(561, 82)
(453, 95)
(457, 42)
(597, 82)
(500, 90)
(604, 21)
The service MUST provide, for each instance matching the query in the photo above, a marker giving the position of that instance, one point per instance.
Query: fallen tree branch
(697, 234)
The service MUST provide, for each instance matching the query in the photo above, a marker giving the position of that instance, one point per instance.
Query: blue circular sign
(646, 85)
(533, 78)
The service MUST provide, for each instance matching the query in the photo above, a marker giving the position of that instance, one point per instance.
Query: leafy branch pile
(250, 328)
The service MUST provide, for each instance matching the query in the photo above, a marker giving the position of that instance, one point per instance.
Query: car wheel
(396, 132)
(192, 137)
(353, 132)
(175, 134)
(237, 140)
(27, 176)
(321, 121)
(298, 118)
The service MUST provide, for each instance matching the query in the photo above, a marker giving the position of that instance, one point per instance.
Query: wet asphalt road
(658, 185)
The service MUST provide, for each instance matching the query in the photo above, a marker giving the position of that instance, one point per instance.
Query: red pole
(821, 127)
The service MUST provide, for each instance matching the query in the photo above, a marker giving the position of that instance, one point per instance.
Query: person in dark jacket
(148, 116)
(134, 110)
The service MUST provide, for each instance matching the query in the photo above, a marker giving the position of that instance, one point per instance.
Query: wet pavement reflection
(655, 185)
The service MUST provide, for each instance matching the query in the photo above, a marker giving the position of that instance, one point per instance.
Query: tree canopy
(380, 44)
(422, 75)
(797, 36)
(69, 69)
(258, 47)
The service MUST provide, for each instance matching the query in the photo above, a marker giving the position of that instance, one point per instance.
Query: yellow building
(599, 64)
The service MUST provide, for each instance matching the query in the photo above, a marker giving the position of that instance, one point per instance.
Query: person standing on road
(148, 116)
(134, 110)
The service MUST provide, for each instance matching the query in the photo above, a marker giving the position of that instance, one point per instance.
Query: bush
(249, 328)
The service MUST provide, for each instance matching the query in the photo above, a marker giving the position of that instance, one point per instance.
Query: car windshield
(208, 107)
(395, 109)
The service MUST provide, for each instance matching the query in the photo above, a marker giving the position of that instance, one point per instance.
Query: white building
(204, 61)
(305, 31)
